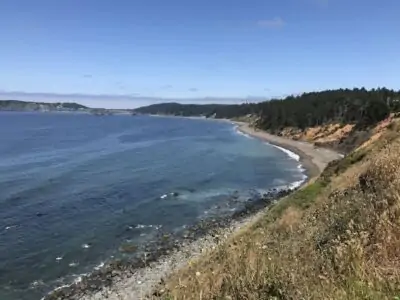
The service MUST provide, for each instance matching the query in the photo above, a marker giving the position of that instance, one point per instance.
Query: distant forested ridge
(355, 106)
(16, 105)
(227, 111)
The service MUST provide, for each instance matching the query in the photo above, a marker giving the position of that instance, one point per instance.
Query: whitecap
(300, 167)
(37, 283)
(59, 258)
(289, 153)
(296, 184)
(141, 226)
(86, 246)
(73, 264)
(164, 196)
(99, 266)
(60, 287)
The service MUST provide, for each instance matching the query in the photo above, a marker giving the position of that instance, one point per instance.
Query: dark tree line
(227, 111)
(357, 106)
(16, 105)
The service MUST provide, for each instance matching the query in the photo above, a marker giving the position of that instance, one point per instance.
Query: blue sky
(136, 49)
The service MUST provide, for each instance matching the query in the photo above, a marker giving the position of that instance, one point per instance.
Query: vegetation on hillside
(337, 238)
(359, 106)
(222, 111)
(340, 119)
(16, 105)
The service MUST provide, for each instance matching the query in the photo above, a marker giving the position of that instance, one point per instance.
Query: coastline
(313, 159)
(138, 282)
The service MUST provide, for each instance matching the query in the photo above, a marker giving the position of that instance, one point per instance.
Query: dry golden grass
(337, 238)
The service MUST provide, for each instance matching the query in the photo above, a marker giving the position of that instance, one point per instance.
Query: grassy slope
(337, 238)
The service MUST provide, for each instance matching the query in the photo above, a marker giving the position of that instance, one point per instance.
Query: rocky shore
(140, 277)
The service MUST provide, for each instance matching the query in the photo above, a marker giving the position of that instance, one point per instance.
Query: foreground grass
(337, 238)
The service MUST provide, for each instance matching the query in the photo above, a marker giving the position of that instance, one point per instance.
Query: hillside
(222, 111)
(15, 105)
(343, 117)
(336, 238)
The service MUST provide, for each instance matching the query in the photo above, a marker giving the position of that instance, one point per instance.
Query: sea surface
(75, 187)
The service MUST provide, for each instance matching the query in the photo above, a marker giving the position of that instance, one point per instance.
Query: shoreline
(137, 281)
(313, 159)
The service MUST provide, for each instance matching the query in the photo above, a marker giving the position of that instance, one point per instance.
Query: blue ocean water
(74, 187)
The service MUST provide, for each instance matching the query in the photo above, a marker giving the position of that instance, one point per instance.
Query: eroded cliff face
(341, 137)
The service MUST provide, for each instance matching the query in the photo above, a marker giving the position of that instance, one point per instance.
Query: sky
(127, 53)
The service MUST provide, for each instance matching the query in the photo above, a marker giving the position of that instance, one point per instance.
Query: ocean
(75, 189)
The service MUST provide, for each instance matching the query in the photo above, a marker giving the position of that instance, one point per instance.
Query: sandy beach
(314, 159)
(141, 283)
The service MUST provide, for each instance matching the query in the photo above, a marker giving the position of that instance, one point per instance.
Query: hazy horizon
(119, 101)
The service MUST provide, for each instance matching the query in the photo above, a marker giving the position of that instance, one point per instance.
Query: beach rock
(128, 248)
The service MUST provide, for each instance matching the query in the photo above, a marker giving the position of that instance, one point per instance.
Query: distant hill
(16, 105)
(228, 111)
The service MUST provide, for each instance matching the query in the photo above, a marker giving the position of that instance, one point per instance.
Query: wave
(294, 185)
(289, 153)
(238, 131)
(300, 167)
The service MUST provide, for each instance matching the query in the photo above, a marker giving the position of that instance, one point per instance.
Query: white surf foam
(10, 227)
(141, 226)
(300, 167)
(73, 264)
(164, 196)
(238, 131)
(85, 246)
(289, 153)
(98, 267)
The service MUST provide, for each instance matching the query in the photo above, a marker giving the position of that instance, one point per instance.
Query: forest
(355, 106)
(16, 105)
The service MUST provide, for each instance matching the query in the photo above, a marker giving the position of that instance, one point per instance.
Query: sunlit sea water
(74, 187)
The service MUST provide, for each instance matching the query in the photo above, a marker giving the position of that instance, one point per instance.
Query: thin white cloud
(193, 89)
(166, 87)
(274, 23)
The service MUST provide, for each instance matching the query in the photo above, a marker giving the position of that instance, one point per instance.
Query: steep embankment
(340, 137)
(336, 238)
